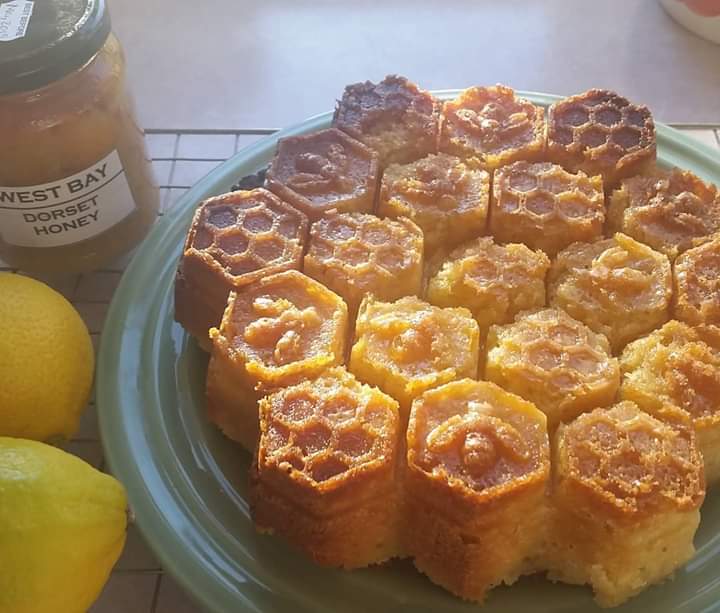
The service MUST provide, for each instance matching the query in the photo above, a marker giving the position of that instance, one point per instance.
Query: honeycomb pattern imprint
(494, 281)
(325, 469)
(275, 332)
(696, 276)
(546, 207)
(627, 490)
(322, 171)
(327, 430)
(679, 366)
(393, 117)
(631, 462)
(442, 194)
(234, 239)
(554, 361)
(492, 126)
(667, 210)
(355, 254)
(478, 466)
(617, 287)
(601, 133)
(408, 346)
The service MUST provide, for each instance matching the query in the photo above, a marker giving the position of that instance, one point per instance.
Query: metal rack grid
(180, 158)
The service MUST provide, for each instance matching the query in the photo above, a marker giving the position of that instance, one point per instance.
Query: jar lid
(42, 41)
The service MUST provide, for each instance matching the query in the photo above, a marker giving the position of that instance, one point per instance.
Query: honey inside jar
(76, 184)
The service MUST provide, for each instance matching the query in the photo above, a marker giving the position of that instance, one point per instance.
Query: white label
(14, 19)
(69, 210)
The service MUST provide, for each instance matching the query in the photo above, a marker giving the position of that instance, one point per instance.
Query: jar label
(14, 19)
(69, 210)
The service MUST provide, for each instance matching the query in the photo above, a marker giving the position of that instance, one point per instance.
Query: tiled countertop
(138, 584)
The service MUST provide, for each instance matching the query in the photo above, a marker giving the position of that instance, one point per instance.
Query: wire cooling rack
(180, 158)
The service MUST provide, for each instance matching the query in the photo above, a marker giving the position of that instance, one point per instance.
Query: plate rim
(119, 325)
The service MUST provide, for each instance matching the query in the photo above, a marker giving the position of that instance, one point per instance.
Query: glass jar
(76, 183)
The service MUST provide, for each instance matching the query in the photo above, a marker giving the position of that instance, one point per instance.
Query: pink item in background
(706, 8)
(701, 17)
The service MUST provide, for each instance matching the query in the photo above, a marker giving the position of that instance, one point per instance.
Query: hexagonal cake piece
(234, 240)
(546, 207)
(443, 195)
(494, 281)
(492, 126)
(394, 117)
(627, 489)
(679, 366)
(280, 330)
(696, 276)
(618, 287)
(408, 346)
(668, 210)
(355, 254)
(556, 362)
(325, 474)
(323, 171)
(478, 466)
(601, 133)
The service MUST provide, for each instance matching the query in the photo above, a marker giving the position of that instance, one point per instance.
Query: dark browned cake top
(245, 231)
(370, 106)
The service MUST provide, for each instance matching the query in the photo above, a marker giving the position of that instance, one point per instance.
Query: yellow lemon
(62, 528)
(46, 361)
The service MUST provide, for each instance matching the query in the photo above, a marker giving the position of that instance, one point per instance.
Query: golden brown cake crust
(322, 171)
(325, 472)
(696, 275)
(478, 464)
(408, 346)
(601, 133)
(546, 207)
(474, 440)
(494, 281)
(442, 194)
(630, 464)
(394, 117)
(277, 331)
(668, 210)
(234, 239)
(492, 126)
(355, 254)
(553, 360)
(618, 287)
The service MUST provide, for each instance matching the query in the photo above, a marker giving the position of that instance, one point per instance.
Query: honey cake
(284, 328)
(325, 475)
(408, 346)
(627, 490)
(443, 195)
(554, 361)
(680, 366)
(668, 210)
(355, 254)
(601, 133)
(393, 117)
(492, 126)
(696, 278)
(323, 171)
(618, 287)
(545, 207)
(494, 281)
(234, 239)
(477, 469)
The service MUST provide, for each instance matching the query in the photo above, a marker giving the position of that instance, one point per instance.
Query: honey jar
(76, 183)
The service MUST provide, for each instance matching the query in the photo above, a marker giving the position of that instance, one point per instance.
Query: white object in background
(701, 17)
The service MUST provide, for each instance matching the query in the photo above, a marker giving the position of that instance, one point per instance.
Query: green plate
(187, 484)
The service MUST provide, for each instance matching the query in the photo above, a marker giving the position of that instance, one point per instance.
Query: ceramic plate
(187, 484)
